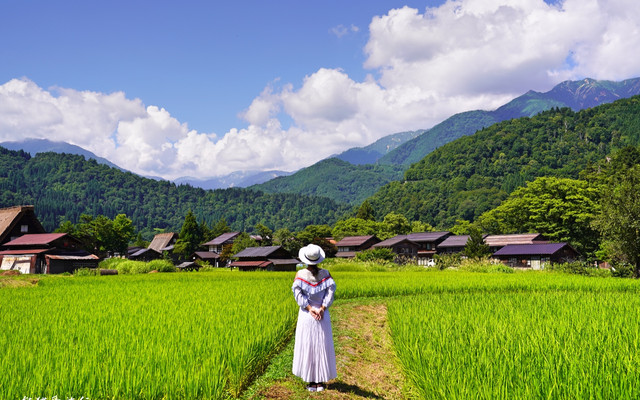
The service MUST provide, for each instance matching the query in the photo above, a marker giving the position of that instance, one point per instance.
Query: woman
(314, 359)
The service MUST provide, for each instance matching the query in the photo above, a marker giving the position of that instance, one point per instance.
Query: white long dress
(314, 358)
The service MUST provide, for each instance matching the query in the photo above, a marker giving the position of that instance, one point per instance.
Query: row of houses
(25, 246)
(530, 250)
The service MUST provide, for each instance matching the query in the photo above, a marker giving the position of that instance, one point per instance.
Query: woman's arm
(301, 298)
(327, 300)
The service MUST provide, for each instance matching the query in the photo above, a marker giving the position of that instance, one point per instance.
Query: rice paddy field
(206, 335)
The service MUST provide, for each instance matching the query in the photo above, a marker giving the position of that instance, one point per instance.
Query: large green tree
(562, 209)
(619, 218)
(101, 235)
(190, 237)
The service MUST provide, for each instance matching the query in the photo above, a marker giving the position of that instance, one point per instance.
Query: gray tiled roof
(530, 249)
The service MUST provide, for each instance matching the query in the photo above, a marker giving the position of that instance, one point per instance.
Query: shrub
(484, 267)
(161, 266)
(379, 254)
(581, 268)
(444, 261)
(85, 272)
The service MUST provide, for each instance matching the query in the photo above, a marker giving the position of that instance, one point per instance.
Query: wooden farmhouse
(226, 239)
(536, 255)
(421, 245)
(350, 245)
(428, 243)
(452, 244)
(46, 253)
(401, 246)
(17, 221)
(496, 242)
(268, 258)
(211, 257)
(161, 242)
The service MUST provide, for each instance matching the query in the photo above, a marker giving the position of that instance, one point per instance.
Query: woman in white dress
(314, 358)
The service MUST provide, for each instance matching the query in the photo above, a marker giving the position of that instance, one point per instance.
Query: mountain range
(459, 180)
(576, 95)
(358, 173)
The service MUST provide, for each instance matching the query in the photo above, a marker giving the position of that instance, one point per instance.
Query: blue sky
(203, 61)
(206, 88)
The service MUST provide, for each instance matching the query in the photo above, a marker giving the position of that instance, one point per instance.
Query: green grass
(208, 335)
(525, 345)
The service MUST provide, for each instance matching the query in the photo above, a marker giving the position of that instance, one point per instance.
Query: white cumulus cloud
(425, 66)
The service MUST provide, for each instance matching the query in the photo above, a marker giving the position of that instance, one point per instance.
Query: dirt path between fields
(367, 366)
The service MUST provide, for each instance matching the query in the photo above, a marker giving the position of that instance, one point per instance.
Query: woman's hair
(313, 268)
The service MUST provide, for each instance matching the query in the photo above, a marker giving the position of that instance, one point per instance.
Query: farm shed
(350, 245)
(17, 221)
(400, 245)
(217, 244)
(270, 258)
(496, 242)
(147, 254)
(453, 244)
(46, 253)
(163, 242)
(211, 257)
(535, 256)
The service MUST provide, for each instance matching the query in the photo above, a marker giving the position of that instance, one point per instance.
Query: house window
(24, 228)
(428, 246)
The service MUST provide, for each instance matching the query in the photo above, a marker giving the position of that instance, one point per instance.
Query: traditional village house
(226, 239)
(350, 245)
(401, 246)
(17, 221)
(46, 253)
(161, 242)
(453, 244)
(496, 242)
(535, 256)
(428, 243)
(269, 258)
(210, 257)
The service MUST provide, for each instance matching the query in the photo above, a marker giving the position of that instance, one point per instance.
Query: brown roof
(206, 255)
(24, 251)
(161, 240)
(264, 251)
(225, 237)
(520, 238)
(455, 241)
(345, 254)
(392, 241)
(427, 236)
(354, 240)
(34, 239)
(10, 216)
(256, 264)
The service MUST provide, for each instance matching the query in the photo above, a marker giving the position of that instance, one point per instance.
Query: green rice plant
(205, 336)
(174, 336)
(520, 345)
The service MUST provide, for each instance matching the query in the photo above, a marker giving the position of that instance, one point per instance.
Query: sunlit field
(206, 335)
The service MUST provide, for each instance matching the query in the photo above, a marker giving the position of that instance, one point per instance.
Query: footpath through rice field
(367, 365)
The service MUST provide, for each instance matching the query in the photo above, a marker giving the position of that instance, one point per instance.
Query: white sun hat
(311, 254)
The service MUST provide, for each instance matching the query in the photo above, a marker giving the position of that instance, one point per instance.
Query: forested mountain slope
(65, 186)
(335, 179)
(464, 178)
(576, 95)
(372, 153)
